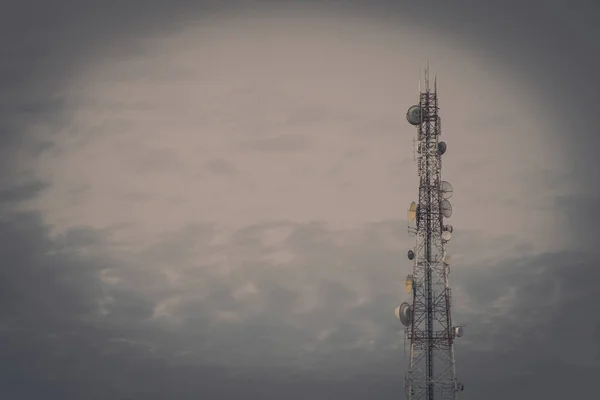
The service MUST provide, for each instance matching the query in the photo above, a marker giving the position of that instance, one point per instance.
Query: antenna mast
(428, 325)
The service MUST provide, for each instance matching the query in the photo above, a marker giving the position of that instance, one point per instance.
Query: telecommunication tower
(428, 325)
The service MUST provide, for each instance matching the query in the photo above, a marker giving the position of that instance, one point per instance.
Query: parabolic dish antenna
(411, 255)
(408, 284)
(446, 190)
(449, 228)
(413, 115)
(446, 236)
(442, 148)
(412, 211)
(447, 259)
(446, 208)
(459, 331)
(405, 311)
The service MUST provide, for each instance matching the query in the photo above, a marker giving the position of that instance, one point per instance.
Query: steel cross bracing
(431, 371)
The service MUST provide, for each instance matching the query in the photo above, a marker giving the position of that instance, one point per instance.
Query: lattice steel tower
(428, 321)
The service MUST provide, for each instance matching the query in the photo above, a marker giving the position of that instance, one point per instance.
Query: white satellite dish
(446, 190)
(446, 208)
(446, 236)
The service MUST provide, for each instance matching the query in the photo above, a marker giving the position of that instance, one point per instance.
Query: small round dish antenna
(412, 211)
(405, 314)
(408, 284)
(411, 255)
(449, 228)
(413, 115)
(446, 190)
(442, 148)
(446, 209)
(447, 259)
(459, 331)
(446, 236)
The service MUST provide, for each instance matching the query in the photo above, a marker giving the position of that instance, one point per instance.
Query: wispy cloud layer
(212, 206)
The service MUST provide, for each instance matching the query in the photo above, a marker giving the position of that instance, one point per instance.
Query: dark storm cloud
(579, 215)
(19, 192)
(58, 342)
(54, 343)
(548, 338)
(47, 292)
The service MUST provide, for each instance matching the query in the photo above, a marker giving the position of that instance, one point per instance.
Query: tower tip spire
(427, 75)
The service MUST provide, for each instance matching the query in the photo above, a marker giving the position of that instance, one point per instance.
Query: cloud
(327, 311)
(115, 291)
(138, 133)
(284, 143)
(578, 213)
(220, 166)
(19, 192)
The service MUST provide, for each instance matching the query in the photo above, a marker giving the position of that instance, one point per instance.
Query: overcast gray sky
(208, 199)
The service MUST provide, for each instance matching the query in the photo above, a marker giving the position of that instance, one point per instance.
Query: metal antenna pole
(431, 372)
